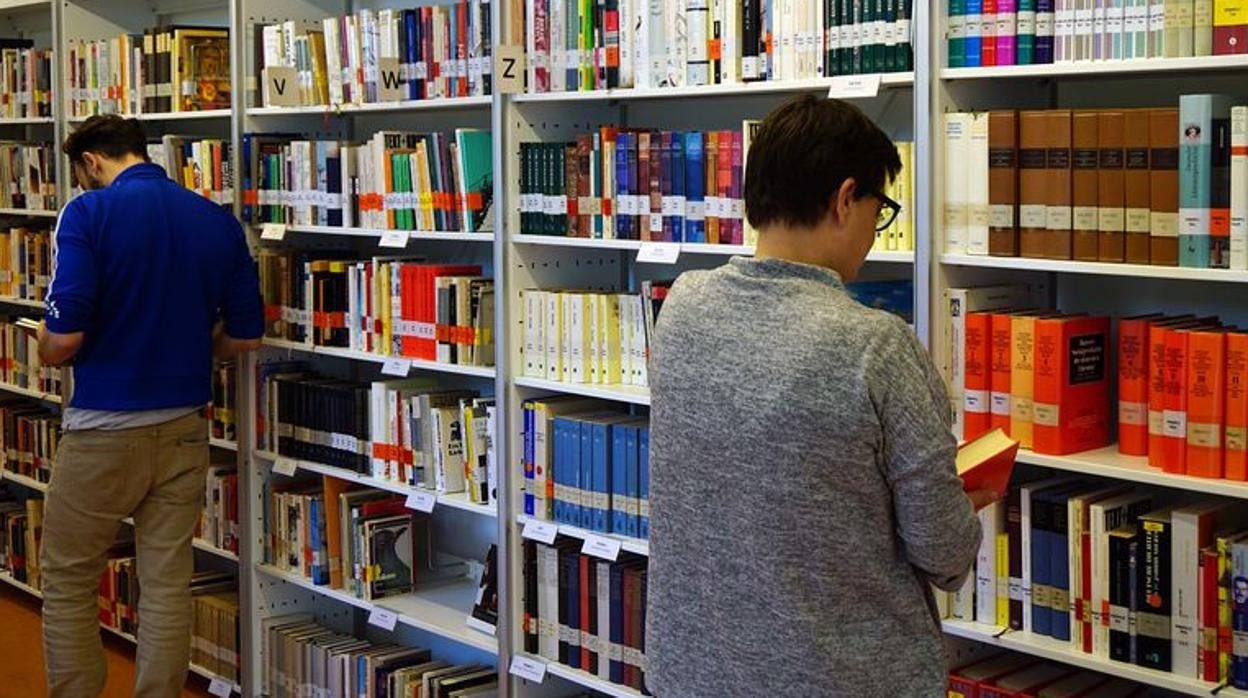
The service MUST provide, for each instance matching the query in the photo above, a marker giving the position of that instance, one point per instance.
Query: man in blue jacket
(150, 284)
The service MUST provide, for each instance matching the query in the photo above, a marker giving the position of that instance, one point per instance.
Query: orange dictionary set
(1182, 386)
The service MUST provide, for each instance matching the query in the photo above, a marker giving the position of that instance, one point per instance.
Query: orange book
(1133, 384)
(999, 376)
(985, 463)
(1206, 395)
(976, 402)
(333, 527)
(1071, 384)
(1022, 373)
(1174, 402)
(1236, 406)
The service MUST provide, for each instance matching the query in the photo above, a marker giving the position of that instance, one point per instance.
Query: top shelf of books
(1094, 69)
(859, 86)
(445, 103)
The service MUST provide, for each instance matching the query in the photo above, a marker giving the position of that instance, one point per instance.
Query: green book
(476, 178)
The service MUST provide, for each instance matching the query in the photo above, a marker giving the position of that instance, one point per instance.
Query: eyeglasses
(888, 211)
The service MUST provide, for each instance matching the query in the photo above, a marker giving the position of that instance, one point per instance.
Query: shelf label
(396, 367)
(509, 70)
(220, 688)
(528, 668)
(854, 86)
(601, 546)
(273, 231)
(285, 466)
(422, 501)
(540, 531)
(394, 238)
(381, 618)
(659, 252)
(281, 86)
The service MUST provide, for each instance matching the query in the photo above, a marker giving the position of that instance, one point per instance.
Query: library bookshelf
(908, 105)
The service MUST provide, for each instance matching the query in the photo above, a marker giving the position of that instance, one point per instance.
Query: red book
(988, 46)
(1208, 664)
(630, 638)
(419, 291)
(1206, 396)
(587, 620)
(461, 49)
(738, 192)
(999, 381)
(965, 680)
(1133, 384)
(1174, 403)
(977, 371)
(1026, 681)
(987, 462)
(1236, 406)
(1071, 388)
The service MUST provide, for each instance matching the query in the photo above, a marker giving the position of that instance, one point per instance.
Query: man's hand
(982, 498)
(225, 347)
(57, 349)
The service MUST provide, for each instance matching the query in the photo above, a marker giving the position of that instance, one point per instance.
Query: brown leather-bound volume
(1163, 178)
(1084, 185)
(1058, 164)
(1033, 182)
(1136, 194)
(1110, 183)
(1003, 183)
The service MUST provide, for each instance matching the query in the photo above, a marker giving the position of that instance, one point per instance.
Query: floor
(21, 654)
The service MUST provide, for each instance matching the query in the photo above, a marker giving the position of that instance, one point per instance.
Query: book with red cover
(1157, 336)
(1027, 681)
(1236, 463)
(987, 462)
(1174, 403)
(1207, 660)
(977, 418)
(1071, 393)
(1133, 384)
(965, 680)
(1206, 406)
(999, 381)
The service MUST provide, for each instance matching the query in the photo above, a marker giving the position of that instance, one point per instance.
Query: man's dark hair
(109, 135)
(803, 152)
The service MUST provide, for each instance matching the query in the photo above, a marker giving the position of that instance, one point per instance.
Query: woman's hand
(982, 498)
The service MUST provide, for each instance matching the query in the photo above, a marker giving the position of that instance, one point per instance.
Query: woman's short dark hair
(109, 135)
(803, 152)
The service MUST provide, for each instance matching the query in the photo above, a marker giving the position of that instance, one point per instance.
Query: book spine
(1022, 371)
(1044, 32)
(1187, 529)
(1059, 212)
(958, 128)
(1239, 615)
(1195, 177)
(988, 34)
(1133, 376)
(1206, 395)
(1220, 189)
(1007, 30)
(1001, 348)
(1164, 186)
(1026, 32)
(977, 419)
(1085, 182)
(990, 519)
(978, 185)
(1153, 596)
(956, 31)
(1236, 463)
(1111, 187)
(1120, 575)
(1014, 556)
(1041, 566)
(973, 46)
(1202, 27)
(1174, 415)
(1208, 668)
(1136, 187)
(1033, 183)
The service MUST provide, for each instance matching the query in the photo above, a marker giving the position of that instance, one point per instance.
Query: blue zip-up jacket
(144, 268)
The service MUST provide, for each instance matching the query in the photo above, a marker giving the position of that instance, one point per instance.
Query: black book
(1121, 598)
(1152, 622)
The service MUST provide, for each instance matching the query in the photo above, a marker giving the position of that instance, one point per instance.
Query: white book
(530, 44)
(1085, 19)
(1191, 529)
(957, 148)
(628, 38)
(1063, 30)
(677, 42)
(333, 59)
(662, 37)
(1105, 516)
(604, 618)
(1114, 41)
(1185, 10)
(992, 521)
(593, 360)
(942, 602)
(1134, 29)
(1202, 27)
(553, 336)
(273, 46)
(698, 69)
(1157, 28)
(558, 58)
(571, 353)
(640, 342)
(975, 170)
(548, 602)
(1239, 188)
(624, 376)
(963, 601)
(352, 74)
(1100, 12)
(1077, 513)
(642, 70)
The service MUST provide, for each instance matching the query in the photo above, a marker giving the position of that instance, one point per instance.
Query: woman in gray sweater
(803, 492)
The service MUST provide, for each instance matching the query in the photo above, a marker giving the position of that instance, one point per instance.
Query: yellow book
(1022, 372)
(320, 73)
(554, 336)
(610, 348)
(424, 190)
(1003, 580)
(381, 277)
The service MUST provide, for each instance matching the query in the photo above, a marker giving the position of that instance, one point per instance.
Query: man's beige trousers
(157, 475)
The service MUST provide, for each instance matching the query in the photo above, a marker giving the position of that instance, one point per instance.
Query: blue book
(557, 468)
(631, 477)
(601, 484)
(678, 186)
(314, 538)
(1043, 43)
(413, 46)
(974, 38)
(1041, 514)
(695, 186)
(616, 636)
(619, 469)
(643, 481)
(246, 210)
(1198, 115)
(1059, 569)
(1239, 611)
(636, 220)
(573, 596)
(623, 223)
(585, 478)
(529, 459)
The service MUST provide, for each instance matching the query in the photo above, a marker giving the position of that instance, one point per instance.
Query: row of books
(589, 337)
(412, 432)
(1117, 571)
(25, 80)
(1023, 32)
(25, 262)
(224, 408)
(432, 182)
(29, 436)
(166, 69)
(366, 542)
(19, 360)
(215, 643)
(587, 464)
(201, 165)
(27, 176)
(21, 526)
(218, 520)
(577, 46)
(373, 56)
(389, 306)
(1143, 186)
(306, 658)
(1010, 675)
(118, 596)
(586, 613)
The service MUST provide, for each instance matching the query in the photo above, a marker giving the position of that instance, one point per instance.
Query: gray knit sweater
(802, 492)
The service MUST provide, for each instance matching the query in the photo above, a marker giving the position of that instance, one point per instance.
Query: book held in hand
(987, 462)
